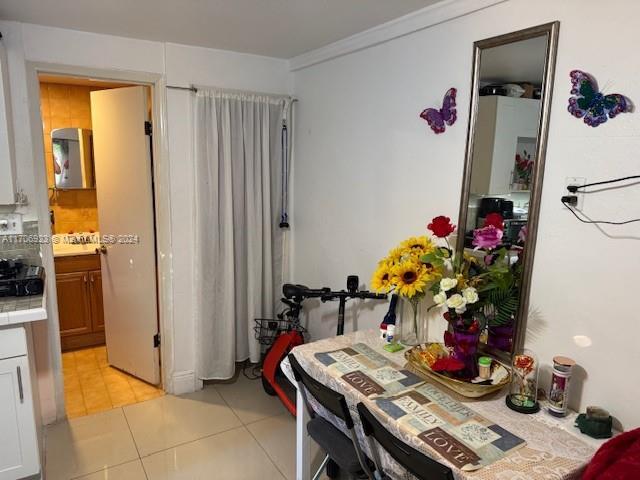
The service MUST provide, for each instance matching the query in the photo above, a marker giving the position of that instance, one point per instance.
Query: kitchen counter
(16, 310)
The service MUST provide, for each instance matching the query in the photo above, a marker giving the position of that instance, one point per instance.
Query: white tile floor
(226, 431)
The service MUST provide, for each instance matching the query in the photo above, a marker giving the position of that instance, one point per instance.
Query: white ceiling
(276, 28)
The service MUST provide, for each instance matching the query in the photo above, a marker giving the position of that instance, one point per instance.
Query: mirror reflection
(510, 80)
(72, 158)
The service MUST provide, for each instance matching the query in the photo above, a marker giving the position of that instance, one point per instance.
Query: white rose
(470, 295)
(457, 302)
(447, 284)
(440, 298)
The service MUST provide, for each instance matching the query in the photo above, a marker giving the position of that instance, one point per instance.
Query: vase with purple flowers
(462, 341)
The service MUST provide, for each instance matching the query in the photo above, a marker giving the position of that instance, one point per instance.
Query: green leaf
(432, 259)
(505, 302)
(435, 288)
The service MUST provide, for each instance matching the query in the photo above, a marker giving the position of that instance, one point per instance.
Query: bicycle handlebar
(295, 294)
(300, 292)
(363, 294)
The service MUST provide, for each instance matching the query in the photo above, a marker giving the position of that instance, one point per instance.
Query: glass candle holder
(559, 391)
(523, 390)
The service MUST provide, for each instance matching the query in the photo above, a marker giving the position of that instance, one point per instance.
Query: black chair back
(416, 462)
(329, 399)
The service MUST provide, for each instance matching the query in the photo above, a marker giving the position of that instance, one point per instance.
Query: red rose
(447, 364)
(441, 226)
(494, 219)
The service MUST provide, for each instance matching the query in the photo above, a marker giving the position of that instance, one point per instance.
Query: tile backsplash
(74, 211)
(28, 251)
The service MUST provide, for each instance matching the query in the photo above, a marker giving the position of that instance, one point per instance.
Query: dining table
(538, 446)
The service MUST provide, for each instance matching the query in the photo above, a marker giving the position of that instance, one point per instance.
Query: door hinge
(147, 128)
(156, 340)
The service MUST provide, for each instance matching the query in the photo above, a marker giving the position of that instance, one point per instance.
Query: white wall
(369, 172)
(180, 65)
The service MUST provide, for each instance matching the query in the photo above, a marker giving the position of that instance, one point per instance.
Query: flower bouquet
(478, 290)
(403, 272)
(458, 293)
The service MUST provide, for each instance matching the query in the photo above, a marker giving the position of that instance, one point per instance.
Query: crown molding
(410, 23)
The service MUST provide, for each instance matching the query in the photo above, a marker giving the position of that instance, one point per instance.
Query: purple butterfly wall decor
(437, 119)
(588, 103)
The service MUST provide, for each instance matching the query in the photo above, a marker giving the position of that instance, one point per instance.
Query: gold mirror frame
(550, 30)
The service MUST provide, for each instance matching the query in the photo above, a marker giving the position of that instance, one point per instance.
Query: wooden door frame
(162, 207)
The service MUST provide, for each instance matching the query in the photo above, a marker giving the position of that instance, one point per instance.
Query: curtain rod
(194, 89)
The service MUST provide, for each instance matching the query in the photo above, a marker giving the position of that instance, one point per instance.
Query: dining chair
(417, 463)
(342, 451)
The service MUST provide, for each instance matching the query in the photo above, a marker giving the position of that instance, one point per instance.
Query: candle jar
(559, 391)
(523, 390)
(484, 367)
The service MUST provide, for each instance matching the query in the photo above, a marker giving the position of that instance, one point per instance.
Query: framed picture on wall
(523, 164)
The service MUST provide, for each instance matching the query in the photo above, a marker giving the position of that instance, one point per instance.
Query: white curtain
(239, 253)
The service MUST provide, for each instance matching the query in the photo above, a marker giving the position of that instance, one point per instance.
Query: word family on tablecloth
(367, 371)
(457, 433)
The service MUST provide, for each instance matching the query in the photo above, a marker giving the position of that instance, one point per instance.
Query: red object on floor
(618, 459)
(285, 342)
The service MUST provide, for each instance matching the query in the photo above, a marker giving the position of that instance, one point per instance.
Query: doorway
(98, 160)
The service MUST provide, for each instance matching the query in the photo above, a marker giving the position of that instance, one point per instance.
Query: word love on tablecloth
(367, 371)
(466, 439)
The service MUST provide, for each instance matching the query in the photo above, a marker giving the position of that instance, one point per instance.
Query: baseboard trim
(413, 22)
(183, 382)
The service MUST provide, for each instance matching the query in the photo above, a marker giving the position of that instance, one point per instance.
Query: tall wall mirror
(509, 115)
(72, 158)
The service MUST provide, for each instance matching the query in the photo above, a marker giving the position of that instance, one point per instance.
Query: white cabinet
(502, 123)
(19, 451)
(7, 157)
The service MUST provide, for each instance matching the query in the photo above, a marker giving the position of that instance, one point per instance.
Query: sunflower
(382, 278)
(396, 255)
(417, 245)
(411, 278)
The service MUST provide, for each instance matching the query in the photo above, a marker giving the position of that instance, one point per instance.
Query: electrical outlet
(577, 181)
(10, 224)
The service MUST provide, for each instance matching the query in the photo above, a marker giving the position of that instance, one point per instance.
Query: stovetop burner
(10, 268)
(18, 279)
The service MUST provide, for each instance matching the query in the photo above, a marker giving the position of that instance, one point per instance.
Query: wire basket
(267, 329)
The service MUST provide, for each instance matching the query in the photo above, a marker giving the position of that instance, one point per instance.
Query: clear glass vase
(413, 322)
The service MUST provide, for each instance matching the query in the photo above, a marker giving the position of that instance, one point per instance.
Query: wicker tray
(466, 389)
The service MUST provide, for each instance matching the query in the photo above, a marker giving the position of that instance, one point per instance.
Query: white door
(126, 218)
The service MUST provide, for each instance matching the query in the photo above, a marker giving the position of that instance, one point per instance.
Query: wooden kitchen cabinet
(74, 309)
(97, 309)
(80, 309)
